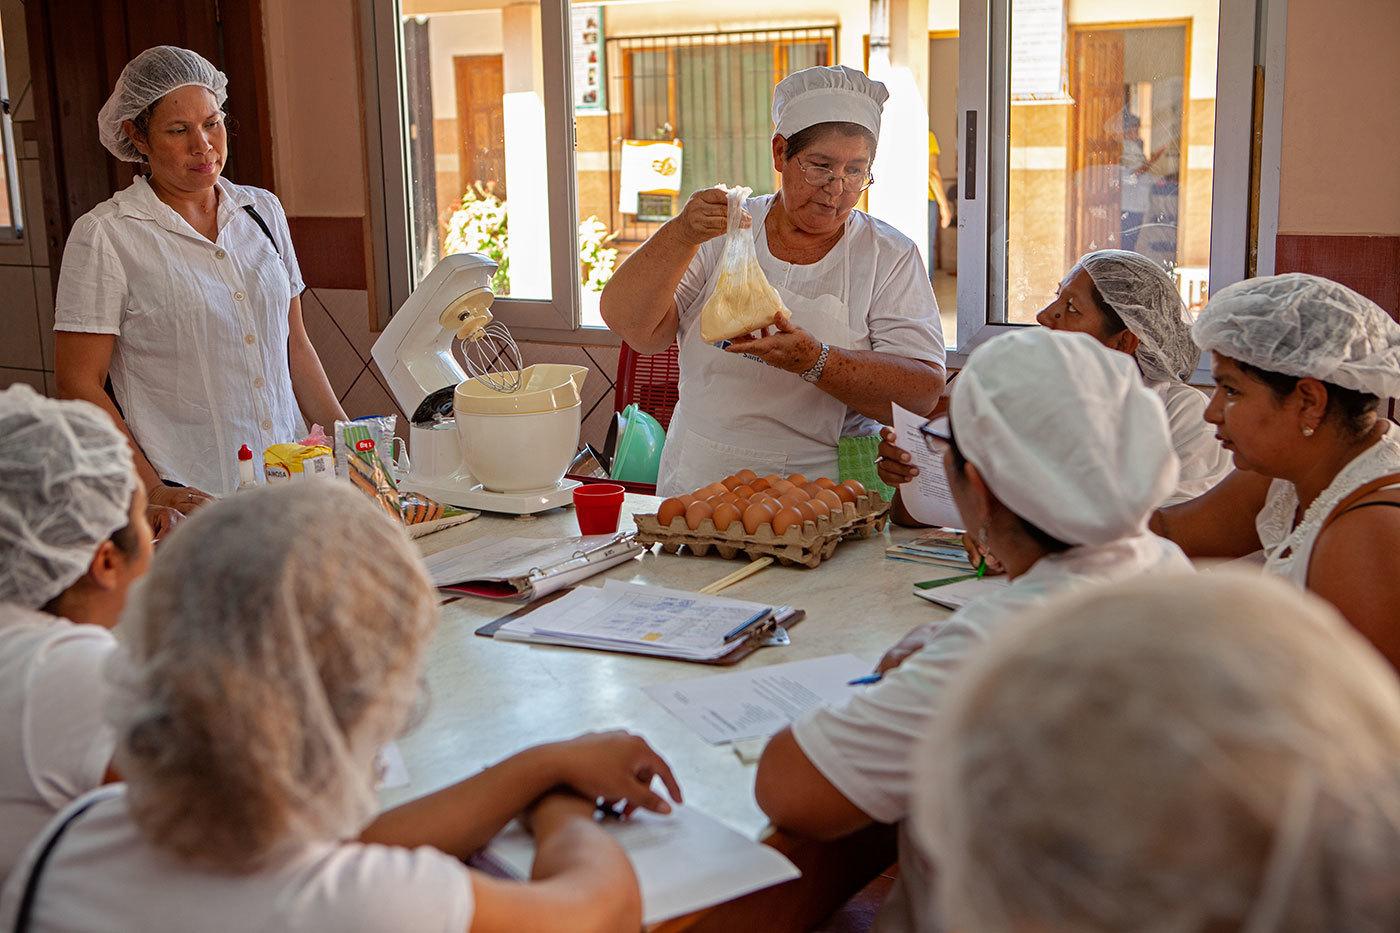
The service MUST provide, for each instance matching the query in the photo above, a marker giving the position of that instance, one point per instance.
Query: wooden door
(1096, 141)
(77, 48)
(481, 121)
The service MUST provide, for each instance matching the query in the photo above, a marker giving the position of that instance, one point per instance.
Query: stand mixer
(495, 436)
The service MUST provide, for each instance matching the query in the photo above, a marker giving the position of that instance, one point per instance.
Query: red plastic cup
(598, 507)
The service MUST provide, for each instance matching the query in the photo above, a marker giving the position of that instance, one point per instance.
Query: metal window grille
(714, 92)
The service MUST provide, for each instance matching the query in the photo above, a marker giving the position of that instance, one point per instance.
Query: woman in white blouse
(184, 288)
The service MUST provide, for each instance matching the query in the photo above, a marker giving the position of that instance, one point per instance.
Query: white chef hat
(66, 483)
(1065, 434)
(827, 95)
(1305, 326)
(146, 79)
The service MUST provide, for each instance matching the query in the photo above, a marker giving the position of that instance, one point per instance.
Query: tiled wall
(26, 292)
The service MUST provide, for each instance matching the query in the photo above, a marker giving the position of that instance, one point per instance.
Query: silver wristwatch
(815, 373)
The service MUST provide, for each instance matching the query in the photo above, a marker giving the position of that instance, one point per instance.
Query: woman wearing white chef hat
(1056, 454)
(185, 289)
(864, 330)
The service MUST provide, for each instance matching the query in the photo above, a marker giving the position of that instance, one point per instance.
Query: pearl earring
(1307, 432)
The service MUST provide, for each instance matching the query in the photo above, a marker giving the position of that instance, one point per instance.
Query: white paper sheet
(957, 595)
(684, 862)
(634, 617)
(504, 558)
(927, 498)
(757, 703)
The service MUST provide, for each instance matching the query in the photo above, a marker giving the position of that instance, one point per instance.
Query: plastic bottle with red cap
(247, 476)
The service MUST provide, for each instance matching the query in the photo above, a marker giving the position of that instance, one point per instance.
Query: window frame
(14, 230)
(387, 164)
(984, 115)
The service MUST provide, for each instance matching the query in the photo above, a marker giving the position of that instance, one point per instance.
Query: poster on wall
(586, 34)
(649, 166)
(1038, 50)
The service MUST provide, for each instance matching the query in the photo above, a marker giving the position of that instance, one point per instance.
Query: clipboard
(742, 647)
(542, 581)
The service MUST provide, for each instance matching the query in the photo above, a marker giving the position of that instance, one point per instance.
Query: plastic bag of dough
(743, 301)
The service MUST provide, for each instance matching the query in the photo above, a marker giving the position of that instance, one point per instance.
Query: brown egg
(746, 476)
(811, 489)
(791, 498)
(756, 515)
(785, 520)
(782, 486)
(742, 504)
(744, 491)
(715, 489)
(855, 486)
(687, 499)
(820, 507)
(772, 478)
(825, 483)
(727, 497)
(797, 479)
(809, 512)
(669, 510)
(730, 482)
(697, 513)
(726, 514)
(760, 484)
(833, 501)
(845, 492)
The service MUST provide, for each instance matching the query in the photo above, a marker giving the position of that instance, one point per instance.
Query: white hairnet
(1170, 754)
(1305, 325)
(66, 482)
(1142, 293)
(271, 650)
(827, 95)
(1065, 434)
(146, 79)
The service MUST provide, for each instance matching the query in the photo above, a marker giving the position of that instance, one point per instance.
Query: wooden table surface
(489, 699)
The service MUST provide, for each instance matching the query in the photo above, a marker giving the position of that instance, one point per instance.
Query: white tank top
(1287, 549)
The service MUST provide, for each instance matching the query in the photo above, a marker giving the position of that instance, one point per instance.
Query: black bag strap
(31, 886)
(262, 225)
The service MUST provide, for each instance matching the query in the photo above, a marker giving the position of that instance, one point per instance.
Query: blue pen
(744, 627)
(863, 681)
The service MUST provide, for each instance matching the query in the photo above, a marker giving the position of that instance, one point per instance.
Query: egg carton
(808, 546)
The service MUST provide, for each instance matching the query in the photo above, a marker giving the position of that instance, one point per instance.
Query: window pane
(667, 78)
(944, 162)
(1111, 142)
(7, 177)
(475, 125)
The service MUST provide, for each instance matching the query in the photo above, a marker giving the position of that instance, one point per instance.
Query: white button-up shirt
(200, 364)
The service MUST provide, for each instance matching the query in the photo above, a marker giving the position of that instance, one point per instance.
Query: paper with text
(684, 862)
(757, 703)
(926, 497)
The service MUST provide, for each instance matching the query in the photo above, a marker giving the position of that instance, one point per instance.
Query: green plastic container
(637, 458)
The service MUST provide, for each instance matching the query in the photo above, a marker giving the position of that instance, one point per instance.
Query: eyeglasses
(937, 434)
(819, 177)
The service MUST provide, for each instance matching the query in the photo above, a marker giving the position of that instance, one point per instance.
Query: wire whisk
(493, 358)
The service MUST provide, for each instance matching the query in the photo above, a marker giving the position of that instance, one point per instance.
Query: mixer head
(490, 353)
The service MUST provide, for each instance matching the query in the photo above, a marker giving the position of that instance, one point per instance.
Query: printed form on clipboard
(526, 568)
(649, 620)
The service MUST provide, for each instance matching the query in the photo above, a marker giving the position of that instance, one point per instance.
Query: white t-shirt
(104, 876)
(1204, 463)
(864, 747)
(56, 744)
(200, 363)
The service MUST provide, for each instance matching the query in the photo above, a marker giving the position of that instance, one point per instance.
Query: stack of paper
(941, 547)
(641, 619)
(684, 862)
(757, 703)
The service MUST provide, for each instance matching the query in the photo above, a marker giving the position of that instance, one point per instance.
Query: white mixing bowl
(519, 453)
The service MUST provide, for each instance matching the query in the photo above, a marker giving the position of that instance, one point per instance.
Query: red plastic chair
(653, 382)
